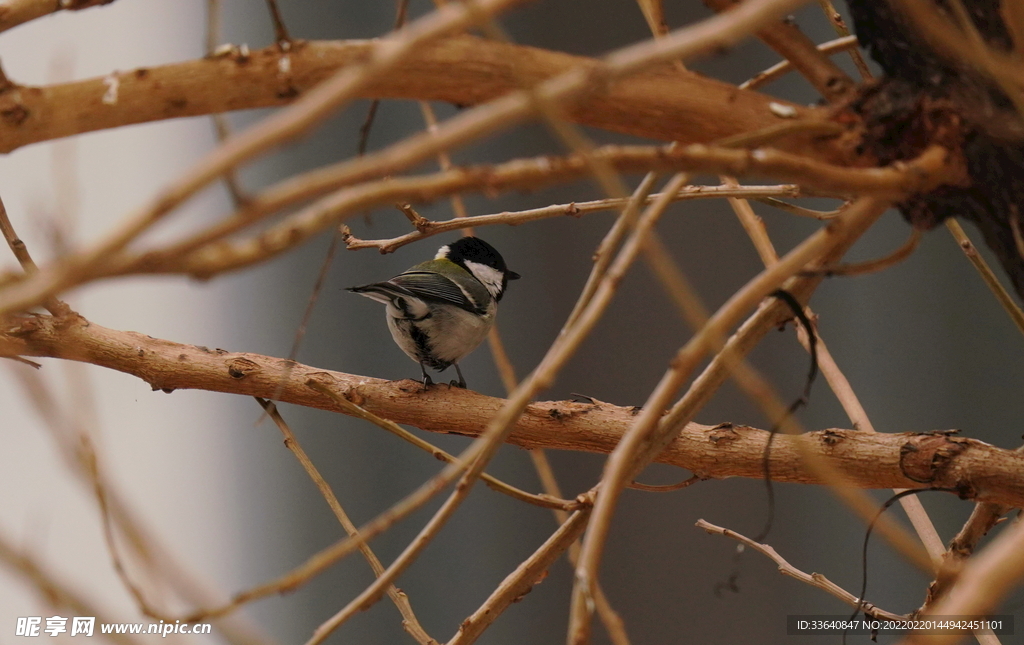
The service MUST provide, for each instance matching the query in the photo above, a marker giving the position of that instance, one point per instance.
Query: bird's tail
(386, 292)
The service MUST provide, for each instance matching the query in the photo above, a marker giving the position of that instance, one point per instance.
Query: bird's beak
(512, 275)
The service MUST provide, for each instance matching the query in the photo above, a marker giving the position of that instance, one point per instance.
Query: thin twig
(794, 209)
(839, 25)
(281, 36)
(367, 127)
(21, 253)
(529, 572)
(782, 68)
(993, 283)
(984, 517)
(982, 584)
(667, 488)
(920, 174)
(220, 122)
(428, 228)
(15, 243)
(880, 264)
(545, 501)
(814, 579)
(401, 11)
(794, 46)
(55, 593)
(76, 449)
(411, 623)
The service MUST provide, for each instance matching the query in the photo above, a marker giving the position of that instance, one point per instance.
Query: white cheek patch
(489, 276)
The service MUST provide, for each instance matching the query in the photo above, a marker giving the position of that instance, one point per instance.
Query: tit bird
(441, 310)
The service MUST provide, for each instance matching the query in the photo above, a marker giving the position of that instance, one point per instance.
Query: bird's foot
(427, 381)
(462, 380)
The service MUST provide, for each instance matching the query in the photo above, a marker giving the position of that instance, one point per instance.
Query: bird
(441, 310)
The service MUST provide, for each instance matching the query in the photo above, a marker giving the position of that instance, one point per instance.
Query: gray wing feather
(429, 285)
(389, 290)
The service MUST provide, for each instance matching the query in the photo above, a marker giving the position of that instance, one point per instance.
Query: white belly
(452, 333)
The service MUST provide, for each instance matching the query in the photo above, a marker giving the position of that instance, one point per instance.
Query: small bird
(441, 310)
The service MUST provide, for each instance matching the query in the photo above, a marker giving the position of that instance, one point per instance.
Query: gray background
(924, 345)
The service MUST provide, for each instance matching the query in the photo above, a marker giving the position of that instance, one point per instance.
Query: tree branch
(930, 169)
(814, 579)
(801, 52)
(666, 104)
(977, 470)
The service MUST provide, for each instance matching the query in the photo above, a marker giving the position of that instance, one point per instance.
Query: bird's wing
(429, 285)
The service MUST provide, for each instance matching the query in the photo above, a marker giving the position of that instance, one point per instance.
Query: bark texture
(929, 96)
(973, 469)
(666, 104)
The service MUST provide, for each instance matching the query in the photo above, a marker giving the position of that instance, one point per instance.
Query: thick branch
(667, 104)
(870, 460)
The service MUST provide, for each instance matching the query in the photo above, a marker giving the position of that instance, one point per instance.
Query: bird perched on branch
(441, 310)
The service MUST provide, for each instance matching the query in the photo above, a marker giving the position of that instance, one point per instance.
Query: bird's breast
(444, 337)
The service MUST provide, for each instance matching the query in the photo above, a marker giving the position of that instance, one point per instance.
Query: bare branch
(870, 460)
(984, 517)
(28, 265)
(428, 228)
(813, 579)
(986, 273)
(664, 104)
(519, 582)
(982, 585)
(839, 25)
(55, 592)
(920, 174)
(802, 53)
(879, 264)
(281, 36)
(547, 501)
(410, 622)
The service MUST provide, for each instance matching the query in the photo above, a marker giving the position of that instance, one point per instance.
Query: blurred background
(924, 345)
